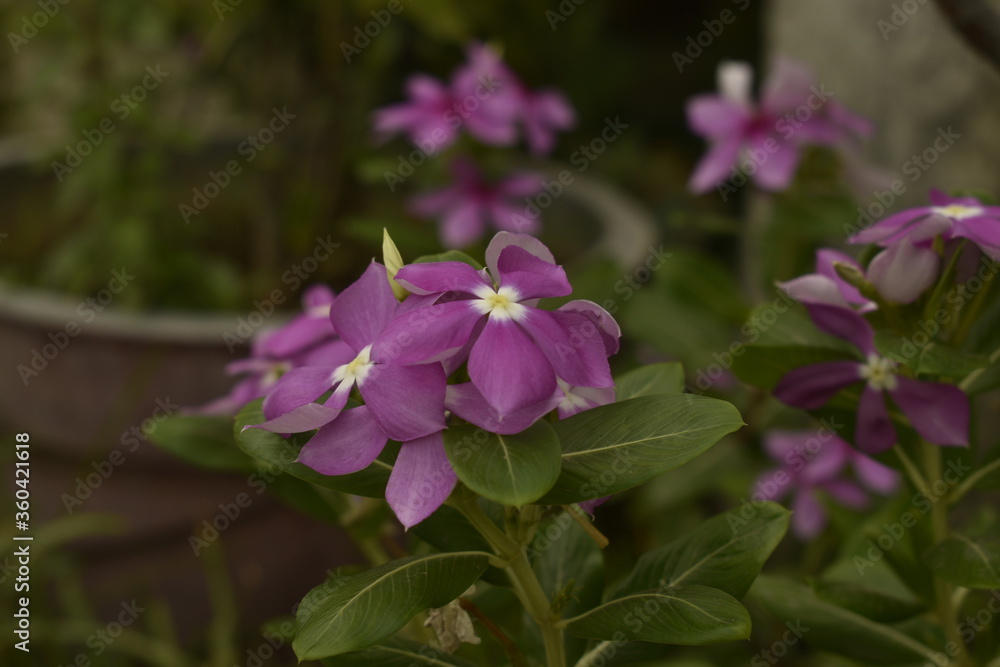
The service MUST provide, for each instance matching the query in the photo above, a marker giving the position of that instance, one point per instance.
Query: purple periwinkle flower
(400, 402)
(305, 340)
(903, 271)
(515, 350)
(947, 217)
(470, 204)
(938, 412)
(485, 98)
(809, 464)
(792, 111)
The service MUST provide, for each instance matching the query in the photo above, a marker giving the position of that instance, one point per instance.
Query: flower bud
(393, 263)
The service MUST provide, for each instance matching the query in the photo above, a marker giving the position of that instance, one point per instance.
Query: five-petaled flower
(947, 217)
(938, 412)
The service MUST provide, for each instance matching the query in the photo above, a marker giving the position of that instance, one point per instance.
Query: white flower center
(320, 311)
(501, 304)
(570, 400)
(880, 372)
(273, 373)
(958, 211)
(354, 372)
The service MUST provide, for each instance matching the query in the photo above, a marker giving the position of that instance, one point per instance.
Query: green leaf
(966, 562)
(615, 447)
(933, 358)
(689, 615)
(398, 652)
(828, 626)
(871, 603)
(204, 440)
(667, 378)
(354, 612)
(448, 530)
(509, 469)
(449, 256)
(280, 453)
(570, 568)
(726, 552)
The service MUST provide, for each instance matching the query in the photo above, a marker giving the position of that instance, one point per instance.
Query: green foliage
(349, 613)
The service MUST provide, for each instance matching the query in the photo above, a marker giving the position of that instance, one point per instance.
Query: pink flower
(807, 465)
(793, 111)
(468, 207)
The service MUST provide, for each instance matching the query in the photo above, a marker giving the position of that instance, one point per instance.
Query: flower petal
(426, 333)
(406, 401)
(714, 166)
(778, 168)
(439, 277)
(808, 515)
(843, 323)
(572, 343)
(506, 239)
(874, 475)
(347, 444)
(611, 333)
(825, 260)
(894, 227)
(810, 387)
(903, 271)
(847, 493)
(466, 402)
(874, 432)
(578, 399)
(365, 308)
(532, 277)
(421, 480)
(297, 388)
(463, 224)
(939, 412)
(508, 368)
(714, 117)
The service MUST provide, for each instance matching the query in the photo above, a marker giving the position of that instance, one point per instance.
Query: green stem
(919, 483)
(932, 304)
(972, 313)
(760, 210)
(594, 654)
(943, 592)
(971, 481)
(974, 375)
(522, 577)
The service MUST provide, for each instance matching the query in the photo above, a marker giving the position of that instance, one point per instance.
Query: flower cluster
(511, 363)
(842, 296)
(491, 103)
(484, 97)
(793, 111)
(808, 465)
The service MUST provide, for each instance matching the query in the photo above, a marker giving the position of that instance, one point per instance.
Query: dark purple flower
(771, 132)
(948, 217)
(469, 205)
(809, 464)
(400, 402)
(517, 350)
(938, 412)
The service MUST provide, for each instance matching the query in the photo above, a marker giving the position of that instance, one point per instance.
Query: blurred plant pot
(87, 396)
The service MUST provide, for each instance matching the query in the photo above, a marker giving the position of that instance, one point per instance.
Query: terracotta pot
(87, 403)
